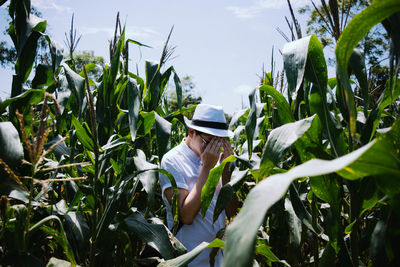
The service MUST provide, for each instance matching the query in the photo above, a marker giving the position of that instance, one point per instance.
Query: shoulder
(173, 156)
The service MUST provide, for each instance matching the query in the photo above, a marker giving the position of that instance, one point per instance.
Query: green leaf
(294, 60)
(77, 86)
(11, 151)
(56, 52)
(265, 250)
(147, 177)
(178, 88)
(152, 84)
(26, 49)
(111, 207)
(59, 236)
(251, 122)
(184, 259)
(301, 212)
(208, 190)
(82, 135)
(285, 115)
(10, 188)
(133, 106)
(327, 189)
(241, 234)
(357, 65)
(279, 140)
(228, 190)
(354, 32)
(43, 76)
(24, 100)
(163, 131)
(146, 122)
(155, 235)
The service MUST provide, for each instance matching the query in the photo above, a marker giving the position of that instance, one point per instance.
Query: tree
(86, 57)
(328, 22)
(189, 97)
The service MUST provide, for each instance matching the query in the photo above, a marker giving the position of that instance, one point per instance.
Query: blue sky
(221, 44)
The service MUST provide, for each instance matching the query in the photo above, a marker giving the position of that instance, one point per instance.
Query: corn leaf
(208, 190)
(354, 32)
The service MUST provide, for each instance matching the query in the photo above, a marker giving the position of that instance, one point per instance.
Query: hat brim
(212, 131)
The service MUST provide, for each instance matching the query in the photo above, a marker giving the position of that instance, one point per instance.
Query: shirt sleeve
(173, 167)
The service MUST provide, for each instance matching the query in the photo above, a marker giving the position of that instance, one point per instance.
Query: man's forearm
(192, 203)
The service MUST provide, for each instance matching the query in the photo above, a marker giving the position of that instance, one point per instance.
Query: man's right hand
(211, 153)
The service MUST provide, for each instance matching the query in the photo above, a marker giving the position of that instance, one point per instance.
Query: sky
(223, 45)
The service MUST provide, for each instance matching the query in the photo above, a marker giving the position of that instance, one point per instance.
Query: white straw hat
(209, 119)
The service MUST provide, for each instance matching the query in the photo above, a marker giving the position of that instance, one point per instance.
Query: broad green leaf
(184, 259)
(309, 145)
(285, 115)
(77, 86)
(151, 89)
(148, 178)
(208, 190)
(294, 226)
(301, 212)
(357, 65)
(43, 76)
(251, 121)
(82, 135)
(10, 188)
(146, 122)
(24, 100)
(378, 241)
(236, 116)
(265, 250)
(241, 234)
(11, 151)
(304, 58)
(57, 53)
(174, 204)
(294, 60)
(326, 188)
(178, 88)
(133, 106)
(155, 235)
(228, 190)
(354, 32)
(163, 131)
(383, 159)
(59, 236)
(26, 48)
(279, 140)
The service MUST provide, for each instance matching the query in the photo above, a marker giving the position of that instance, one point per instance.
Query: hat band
(210, 124)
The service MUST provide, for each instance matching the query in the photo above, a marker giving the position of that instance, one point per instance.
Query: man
(190, 163)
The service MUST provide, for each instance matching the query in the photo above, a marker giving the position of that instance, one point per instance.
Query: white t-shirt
(185, 166)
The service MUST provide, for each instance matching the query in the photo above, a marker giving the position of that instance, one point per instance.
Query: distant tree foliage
(189, 97)
(86, 57)
(375, 44)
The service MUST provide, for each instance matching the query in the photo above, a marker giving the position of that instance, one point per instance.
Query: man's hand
(227, 149)
(211, 153)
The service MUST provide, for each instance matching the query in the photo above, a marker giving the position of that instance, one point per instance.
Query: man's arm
(190, 203)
